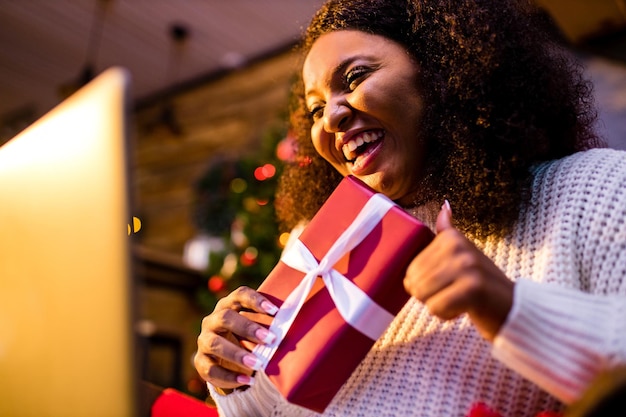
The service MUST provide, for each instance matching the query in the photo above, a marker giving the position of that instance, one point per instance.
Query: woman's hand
(221, 359)
(451, 276)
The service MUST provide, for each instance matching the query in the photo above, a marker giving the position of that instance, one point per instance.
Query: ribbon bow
(352, 303)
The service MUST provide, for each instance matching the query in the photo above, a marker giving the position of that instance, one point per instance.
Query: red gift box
(173, 403)
(319, 349)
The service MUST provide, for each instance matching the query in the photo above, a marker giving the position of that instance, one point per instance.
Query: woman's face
(361, 91)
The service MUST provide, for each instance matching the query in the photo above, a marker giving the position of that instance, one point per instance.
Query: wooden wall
(228, 115)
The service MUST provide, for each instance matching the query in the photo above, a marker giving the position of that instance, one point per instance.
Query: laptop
(66, 284)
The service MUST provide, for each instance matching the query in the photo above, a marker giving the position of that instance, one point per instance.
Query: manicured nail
(265, 335)
(446, 204)
(269, 308)
(245, 379)
(252, 362)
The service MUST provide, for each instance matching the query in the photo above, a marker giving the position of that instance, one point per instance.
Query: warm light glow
(229, 266)
(283, 239)
(265, 172)
(216, 284)
(42, 152)
(136, 226)
(258, 174)
(286, 149)
(197, 250)
(251, 252)
(249, 256)
(238, 185)
(251, 205)
(269, 170)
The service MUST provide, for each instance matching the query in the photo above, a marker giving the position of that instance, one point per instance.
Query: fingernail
(446, 204)
(245, 379)
(265, 335)
(269, 308)
(252, 362)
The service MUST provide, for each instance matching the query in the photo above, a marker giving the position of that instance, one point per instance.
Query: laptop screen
(66, 287)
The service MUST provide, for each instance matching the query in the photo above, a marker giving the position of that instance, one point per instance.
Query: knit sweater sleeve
(256, 401)
(568, 323)
(259, 400)
(561, 338)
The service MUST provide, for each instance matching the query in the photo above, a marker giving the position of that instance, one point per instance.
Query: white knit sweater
(567, 255)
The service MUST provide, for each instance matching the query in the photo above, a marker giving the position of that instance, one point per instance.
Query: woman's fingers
(457, 298)
(437, 265)
(221, 358)
(230, 321)
(451, 276)
(222, 362)
(212, 371)
(246, 298)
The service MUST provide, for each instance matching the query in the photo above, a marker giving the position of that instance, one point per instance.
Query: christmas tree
(235, 202)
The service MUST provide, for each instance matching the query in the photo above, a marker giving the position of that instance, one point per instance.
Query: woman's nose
(336, 115)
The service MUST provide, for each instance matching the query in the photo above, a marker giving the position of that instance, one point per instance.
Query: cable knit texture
(568, 256)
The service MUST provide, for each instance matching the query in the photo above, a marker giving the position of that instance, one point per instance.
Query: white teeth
(352, 145)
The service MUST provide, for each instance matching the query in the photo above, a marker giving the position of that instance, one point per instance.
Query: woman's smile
(359, 148)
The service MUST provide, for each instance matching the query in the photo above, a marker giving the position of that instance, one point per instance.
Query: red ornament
(259, 174)
(216, 284)
(247, 260)
(269, 170)
(249, 256)
(264, 172)
(286, 149)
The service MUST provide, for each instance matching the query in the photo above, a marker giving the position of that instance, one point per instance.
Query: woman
(520, 300)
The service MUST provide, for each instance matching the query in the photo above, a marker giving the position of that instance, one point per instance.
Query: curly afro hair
(500, 96)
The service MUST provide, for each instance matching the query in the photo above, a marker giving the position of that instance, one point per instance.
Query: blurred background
(210, 90)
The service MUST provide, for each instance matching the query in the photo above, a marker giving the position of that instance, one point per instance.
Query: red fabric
(173, 403)
(482, 410)
(321, 350)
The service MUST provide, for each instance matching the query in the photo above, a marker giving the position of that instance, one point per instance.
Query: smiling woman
(470, 60)
(361, 92)
(464, 107)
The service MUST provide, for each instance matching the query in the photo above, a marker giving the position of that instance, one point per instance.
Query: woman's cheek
(324, 144)
(316, 133)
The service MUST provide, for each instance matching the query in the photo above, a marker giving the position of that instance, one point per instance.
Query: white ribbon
(352, 303)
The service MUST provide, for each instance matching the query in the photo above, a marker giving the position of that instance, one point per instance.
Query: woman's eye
(316, 112)
(354, 77)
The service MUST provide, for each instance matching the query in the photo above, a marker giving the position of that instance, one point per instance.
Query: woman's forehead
(333, 50)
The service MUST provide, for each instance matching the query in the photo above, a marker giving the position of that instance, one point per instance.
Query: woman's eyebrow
(339, 69)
